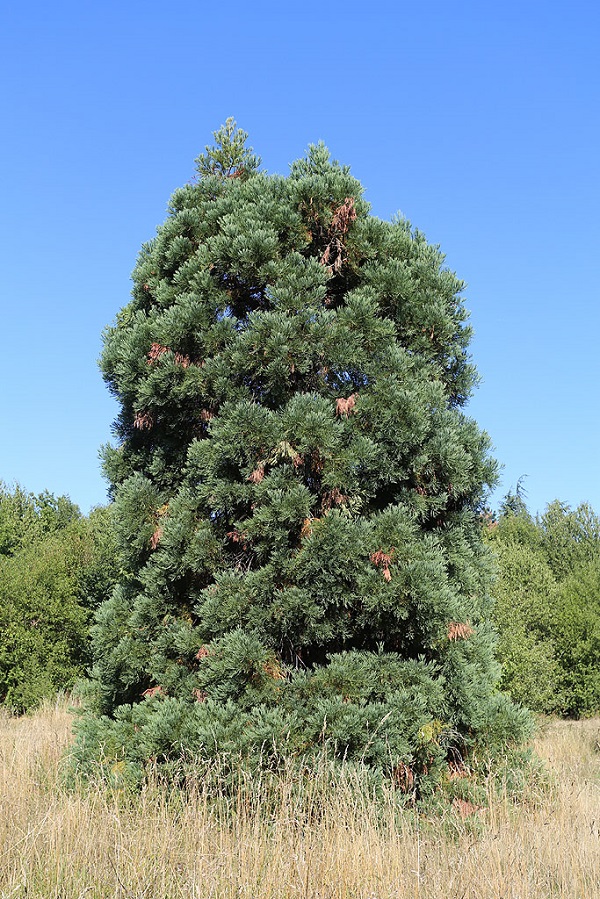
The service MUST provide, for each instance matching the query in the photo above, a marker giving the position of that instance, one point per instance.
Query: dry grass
(59, 844)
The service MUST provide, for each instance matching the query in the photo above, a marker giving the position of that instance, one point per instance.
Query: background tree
(547, 607)
(55, 567)
(296, 485)
(26, 518)
(570, 537)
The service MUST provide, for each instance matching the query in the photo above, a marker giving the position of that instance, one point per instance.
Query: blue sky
(479, 122)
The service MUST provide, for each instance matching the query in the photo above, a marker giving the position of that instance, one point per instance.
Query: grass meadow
(158, 845)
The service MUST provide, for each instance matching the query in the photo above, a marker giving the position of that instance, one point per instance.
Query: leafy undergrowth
(325, 840)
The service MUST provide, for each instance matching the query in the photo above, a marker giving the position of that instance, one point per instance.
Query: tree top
(228, 157)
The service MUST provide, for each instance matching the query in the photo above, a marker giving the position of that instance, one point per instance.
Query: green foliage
(55, 567)
(297, 486)
(570, 537)
(43, 625)
(577, 640)
(26, 518)
(229, 157)
(548, 607)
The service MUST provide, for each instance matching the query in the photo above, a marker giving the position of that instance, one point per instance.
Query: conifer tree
(296, 485)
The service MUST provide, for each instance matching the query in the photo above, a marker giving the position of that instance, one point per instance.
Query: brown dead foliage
(156, 351)
(379, 558)
(153, 691)
(237, 537)
(333, 497)
(403, 777)
(257, 475)
(489, 520)
(345, 407)
(334, 254)
(458, 771)
(156, 537)
(306, 529)
(383, 560)
(273, 669)
(343, 216)
(459, 630)
(143, 421)
(317, 463)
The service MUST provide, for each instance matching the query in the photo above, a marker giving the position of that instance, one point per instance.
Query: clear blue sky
(479, 121)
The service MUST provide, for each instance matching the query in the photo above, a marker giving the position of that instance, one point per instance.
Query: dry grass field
(56, 843)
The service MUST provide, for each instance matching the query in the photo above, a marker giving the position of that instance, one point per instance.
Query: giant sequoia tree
(297, 487)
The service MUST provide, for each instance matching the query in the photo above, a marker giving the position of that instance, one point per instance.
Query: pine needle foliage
(296, 485)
